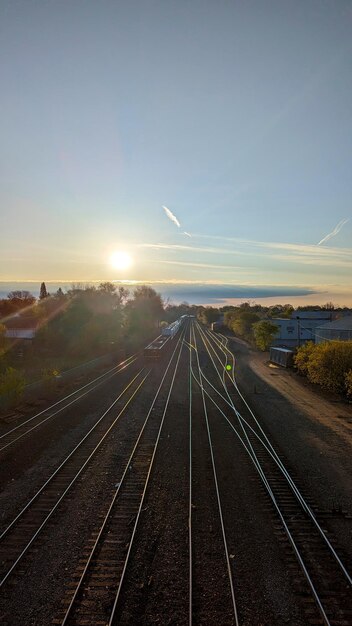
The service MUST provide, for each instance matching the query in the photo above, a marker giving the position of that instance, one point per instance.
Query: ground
(312, 433)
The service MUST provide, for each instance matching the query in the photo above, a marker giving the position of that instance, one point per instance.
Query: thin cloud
(207, 265)
(171, 216)
(309, 249)
(174, 219)
(174, 246)
(333, 232)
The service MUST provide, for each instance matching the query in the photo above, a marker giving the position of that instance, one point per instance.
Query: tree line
(87, 320)
(79, 324)
(246, 321)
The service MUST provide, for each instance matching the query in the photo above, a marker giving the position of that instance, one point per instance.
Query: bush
(12, 383)
(302, 357)
(327, 364)
(348, 383)
(2, 339)
(49, 377)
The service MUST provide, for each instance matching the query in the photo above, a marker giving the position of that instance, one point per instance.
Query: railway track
(19, 537)
(318, 570)
(16, 433)
(93, 595)
(211, 589)
(95, 588)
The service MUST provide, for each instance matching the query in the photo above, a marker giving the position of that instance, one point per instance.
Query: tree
(280, 310)
(328, 306)
(21, 299)
(242, 325)
(108, 288)
(124, 294)
(2, 339)
(264, 333)
(143, 312)
(43, 292)
(208, 314)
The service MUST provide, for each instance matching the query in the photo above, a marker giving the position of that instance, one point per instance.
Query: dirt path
(334, 414)
(312, 430)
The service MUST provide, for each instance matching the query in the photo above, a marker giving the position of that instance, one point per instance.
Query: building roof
(312, 315)
(21, 322)
(344, 323)
(285, 350)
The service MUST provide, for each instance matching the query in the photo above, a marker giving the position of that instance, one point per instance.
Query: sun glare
(120, 260)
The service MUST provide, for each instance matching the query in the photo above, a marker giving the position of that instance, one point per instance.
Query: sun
(120, 260)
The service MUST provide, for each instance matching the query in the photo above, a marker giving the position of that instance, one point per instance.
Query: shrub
(49, 377)
(302, 357)
(348, 383)
(12, 383)
(327, 364)
(2, 339)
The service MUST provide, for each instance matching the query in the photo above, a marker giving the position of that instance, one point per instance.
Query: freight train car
(161, 344)
(282, 356)
(155, 349)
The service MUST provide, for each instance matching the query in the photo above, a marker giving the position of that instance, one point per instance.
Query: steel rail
(79, 585)
(271, 450)
(190, 551)
(257, 465)
(104, 376)
(227, 557)
(256, 462)
(77, 474)
(118, 592)
(272, 496)
(47, 482)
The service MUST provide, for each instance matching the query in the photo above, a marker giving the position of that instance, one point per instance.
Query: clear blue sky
(235, 115)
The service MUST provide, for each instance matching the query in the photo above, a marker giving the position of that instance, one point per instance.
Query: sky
(235, 116)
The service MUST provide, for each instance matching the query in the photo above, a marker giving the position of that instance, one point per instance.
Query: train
(157, 348)
(172, 329)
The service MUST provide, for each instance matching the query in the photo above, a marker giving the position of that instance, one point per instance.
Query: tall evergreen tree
(43, 292)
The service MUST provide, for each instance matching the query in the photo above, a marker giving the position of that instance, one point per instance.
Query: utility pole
(298, 332)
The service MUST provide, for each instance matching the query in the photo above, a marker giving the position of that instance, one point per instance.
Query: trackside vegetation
(12, 383)
(327, 364)
(246, 322)
(74, 327)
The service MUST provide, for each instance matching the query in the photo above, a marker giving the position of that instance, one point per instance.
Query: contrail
(171, 216)
(334, 232)
(174, 219)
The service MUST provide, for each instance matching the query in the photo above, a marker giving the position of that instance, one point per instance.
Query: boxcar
(281, 356)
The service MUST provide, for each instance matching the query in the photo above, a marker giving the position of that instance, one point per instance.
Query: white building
(21, 327)
(340, 329)
(299, 328)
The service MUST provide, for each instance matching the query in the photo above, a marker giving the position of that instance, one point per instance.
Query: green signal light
(229, 368)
